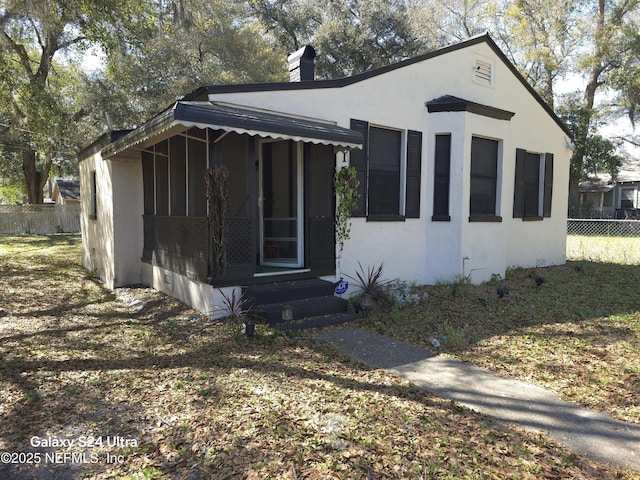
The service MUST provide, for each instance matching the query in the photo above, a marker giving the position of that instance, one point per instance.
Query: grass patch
(200, 403)
(577, 334)
(625, 250)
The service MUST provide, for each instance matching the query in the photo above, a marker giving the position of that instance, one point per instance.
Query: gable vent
(483, 72)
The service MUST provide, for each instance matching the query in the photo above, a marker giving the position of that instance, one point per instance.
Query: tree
(443, 22)
(541, 37)
(353, 36)
(606, 34)
(39, 84)
(192, 43)
(592, 154)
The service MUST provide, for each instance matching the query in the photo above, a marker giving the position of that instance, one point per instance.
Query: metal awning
(238, 119)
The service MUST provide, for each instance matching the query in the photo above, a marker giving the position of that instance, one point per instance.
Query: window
(388, 189)
(484, 180)
(533, 185)
(442, 178)
(384, 171)
(627, 197)
(94, 196)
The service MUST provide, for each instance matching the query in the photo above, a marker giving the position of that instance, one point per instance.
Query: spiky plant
(370, 280)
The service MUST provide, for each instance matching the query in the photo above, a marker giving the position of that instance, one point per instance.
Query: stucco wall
(419, 250)
(200, 296)
(423, 250)
(127, 221)
(97, 233)
(112, 242)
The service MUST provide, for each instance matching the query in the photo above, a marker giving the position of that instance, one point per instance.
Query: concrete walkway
(594, 434)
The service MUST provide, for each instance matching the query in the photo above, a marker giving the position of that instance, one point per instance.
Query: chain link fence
(600, 240)
(603, 227)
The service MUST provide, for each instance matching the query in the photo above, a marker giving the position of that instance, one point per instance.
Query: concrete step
(302, 308)
(319, 321)
(282, 292)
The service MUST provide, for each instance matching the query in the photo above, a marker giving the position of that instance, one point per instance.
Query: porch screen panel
(148, 183)
(162, 185)
(320, 207)
(178, 178)
(234, 151)
(241, 248)
(197, 166)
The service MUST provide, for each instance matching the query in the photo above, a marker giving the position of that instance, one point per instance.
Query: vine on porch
(346, 187)
(217, 183)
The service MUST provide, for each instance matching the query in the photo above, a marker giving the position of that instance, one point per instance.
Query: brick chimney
(301, 65)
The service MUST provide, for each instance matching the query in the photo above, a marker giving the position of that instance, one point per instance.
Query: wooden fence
(39, 219)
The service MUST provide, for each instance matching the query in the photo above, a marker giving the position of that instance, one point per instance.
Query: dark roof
(449, 103)
(202, 93)
(69, 189)
(231, 118)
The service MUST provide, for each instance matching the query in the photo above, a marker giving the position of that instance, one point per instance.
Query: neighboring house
(463, 171)
(65, 192)
(603, 197)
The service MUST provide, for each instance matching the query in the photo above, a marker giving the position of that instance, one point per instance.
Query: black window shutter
(518, 192)
(414, 167)
(441, 181)
(360, 160)
(548, 183)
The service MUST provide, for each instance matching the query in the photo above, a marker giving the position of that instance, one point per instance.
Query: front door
(280, 204)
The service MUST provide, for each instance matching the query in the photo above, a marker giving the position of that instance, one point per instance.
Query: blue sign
(341, 286)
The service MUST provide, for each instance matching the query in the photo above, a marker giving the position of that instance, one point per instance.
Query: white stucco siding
(127, 221)
(198, 295)
(400, 246)
(112, 241)
(541, 242)
(97, 233)
(421, 249)
(443, 240)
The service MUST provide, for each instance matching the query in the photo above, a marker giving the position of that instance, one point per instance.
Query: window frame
(481, 174)
(524, 187)
(409, 178)
(375, 209)
(634, 196)
(93, 214)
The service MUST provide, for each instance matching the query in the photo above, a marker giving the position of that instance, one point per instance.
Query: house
(65, 192)
(605, 197)
(463, 172)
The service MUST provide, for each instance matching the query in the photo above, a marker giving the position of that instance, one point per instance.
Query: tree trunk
(35, 179)
(598, 61)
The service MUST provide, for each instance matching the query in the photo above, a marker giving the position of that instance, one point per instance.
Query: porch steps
(312, 302)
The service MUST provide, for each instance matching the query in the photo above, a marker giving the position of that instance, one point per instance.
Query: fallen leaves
(578, 334)
(207, 405)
